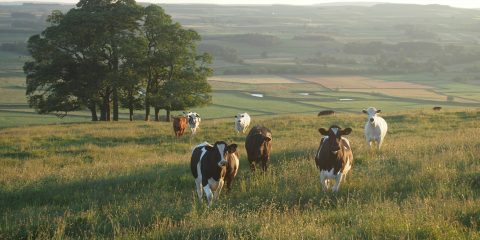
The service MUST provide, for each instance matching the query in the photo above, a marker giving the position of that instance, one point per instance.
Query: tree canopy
(106, 54)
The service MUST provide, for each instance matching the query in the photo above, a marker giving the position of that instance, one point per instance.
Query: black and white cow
(209, 167)
(193, 120)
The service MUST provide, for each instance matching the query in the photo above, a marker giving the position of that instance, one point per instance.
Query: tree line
(104, 55)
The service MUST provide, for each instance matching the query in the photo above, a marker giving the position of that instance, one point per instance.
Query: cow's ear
(232, 148)
(379, 110)
(323, 131)
(364, 111)
(267, 139)
(346, 131)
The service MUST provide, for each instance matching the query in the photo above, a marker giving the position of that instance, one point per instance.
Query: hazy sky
(455, 3)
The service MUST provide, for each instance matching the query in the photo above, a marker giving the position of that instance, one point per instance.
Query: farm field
(281, 94)
(132, 180)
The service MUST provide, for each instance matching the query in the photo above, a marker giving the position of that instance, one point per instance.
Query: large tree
(66, 71)
(177, 76)
(115, 53)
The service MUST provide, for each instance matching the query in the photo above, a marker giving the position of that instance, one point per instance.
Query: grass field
(281, 94)
(132, 180)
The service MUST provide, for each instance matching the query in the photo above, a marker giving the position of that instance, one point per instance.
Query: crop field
(132, 180)
(359, 82)
(253, 79)
(281, 94)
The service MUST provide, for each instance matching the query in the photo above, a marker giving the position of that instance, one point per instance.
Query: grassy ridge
(132, 180)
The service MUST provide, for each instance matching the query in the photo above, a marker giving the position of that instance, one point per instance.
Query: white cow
(375, 128)
(193, 121)
(242, 121)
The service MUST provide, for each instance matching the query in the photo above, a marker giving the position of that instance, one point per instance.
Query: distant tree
(118, 20)
(187, 87)
(176, 75)
(115, 53)
(64, 74)
(76, 60)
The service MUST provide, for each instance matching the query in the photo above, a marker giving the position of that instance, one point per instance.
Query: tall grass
(132, 180)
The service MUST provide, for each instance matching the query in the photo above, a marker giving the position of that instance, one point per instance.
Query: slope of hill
(132, 180)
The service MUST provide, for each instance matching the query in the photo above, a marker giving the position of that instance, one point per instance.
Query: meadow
(131, 180)
(69, 178)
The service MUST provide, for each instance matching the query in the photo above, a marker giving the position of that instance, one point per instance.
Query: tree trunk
(130, 105)
(103, 113)
(115, 80)
(106, 105)
(93, 110)
(147, 101)
(131, 113)
(167, 118)
(115, 103)
(157, 110)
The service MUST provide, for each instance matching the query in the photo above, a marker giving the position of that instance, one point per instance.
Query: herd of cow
(214, 165)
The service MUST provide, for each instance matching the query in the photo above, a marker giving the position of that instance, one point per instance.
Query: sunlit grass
(132, 180)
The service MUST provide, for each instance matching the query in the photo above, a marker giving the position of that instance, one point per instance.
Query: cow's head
(192, 117)
(372, 113)
(334, 136)
(240, 117)
(223, 149)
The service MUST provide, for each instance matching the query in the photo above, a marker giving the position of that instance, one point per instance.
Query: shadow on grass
(128, 201)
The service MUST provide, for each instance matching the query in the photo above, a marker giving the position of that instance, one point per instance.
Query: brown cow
(179, 125)
(437, 108)
(259, 145)
(326, 112)
(233, 163)
(334, 156)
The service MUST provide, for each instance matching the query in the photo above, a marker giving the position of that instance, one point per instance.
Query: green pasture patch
(358, 105)
(265, 104)
(12, 118)
(132, 180)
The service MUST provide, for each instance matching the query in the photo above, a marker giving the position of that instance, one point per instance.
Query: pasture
(132, 180)
(281, 94)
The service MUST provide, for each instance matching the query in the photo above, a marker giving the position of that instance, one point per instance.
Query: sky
(454, 3)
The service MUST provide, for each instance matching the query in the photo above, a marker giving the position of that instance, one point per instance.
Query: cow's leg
(369, 143)
(219, 189)
(264, 164)
(198, 183)
(338, 180)
(347, 168)
(380, 142)
(323, 181)
(252, 166)
(209, 194)
(228, 180)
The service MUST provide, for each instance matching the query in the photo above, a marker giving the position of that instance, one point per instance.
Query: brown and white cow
(334, 157)
(179, 125)
(233, 163)
(258, 145)
(209, 167)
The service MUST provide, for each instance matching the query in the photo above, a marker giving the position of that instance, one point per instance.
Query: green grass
(132, 180)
